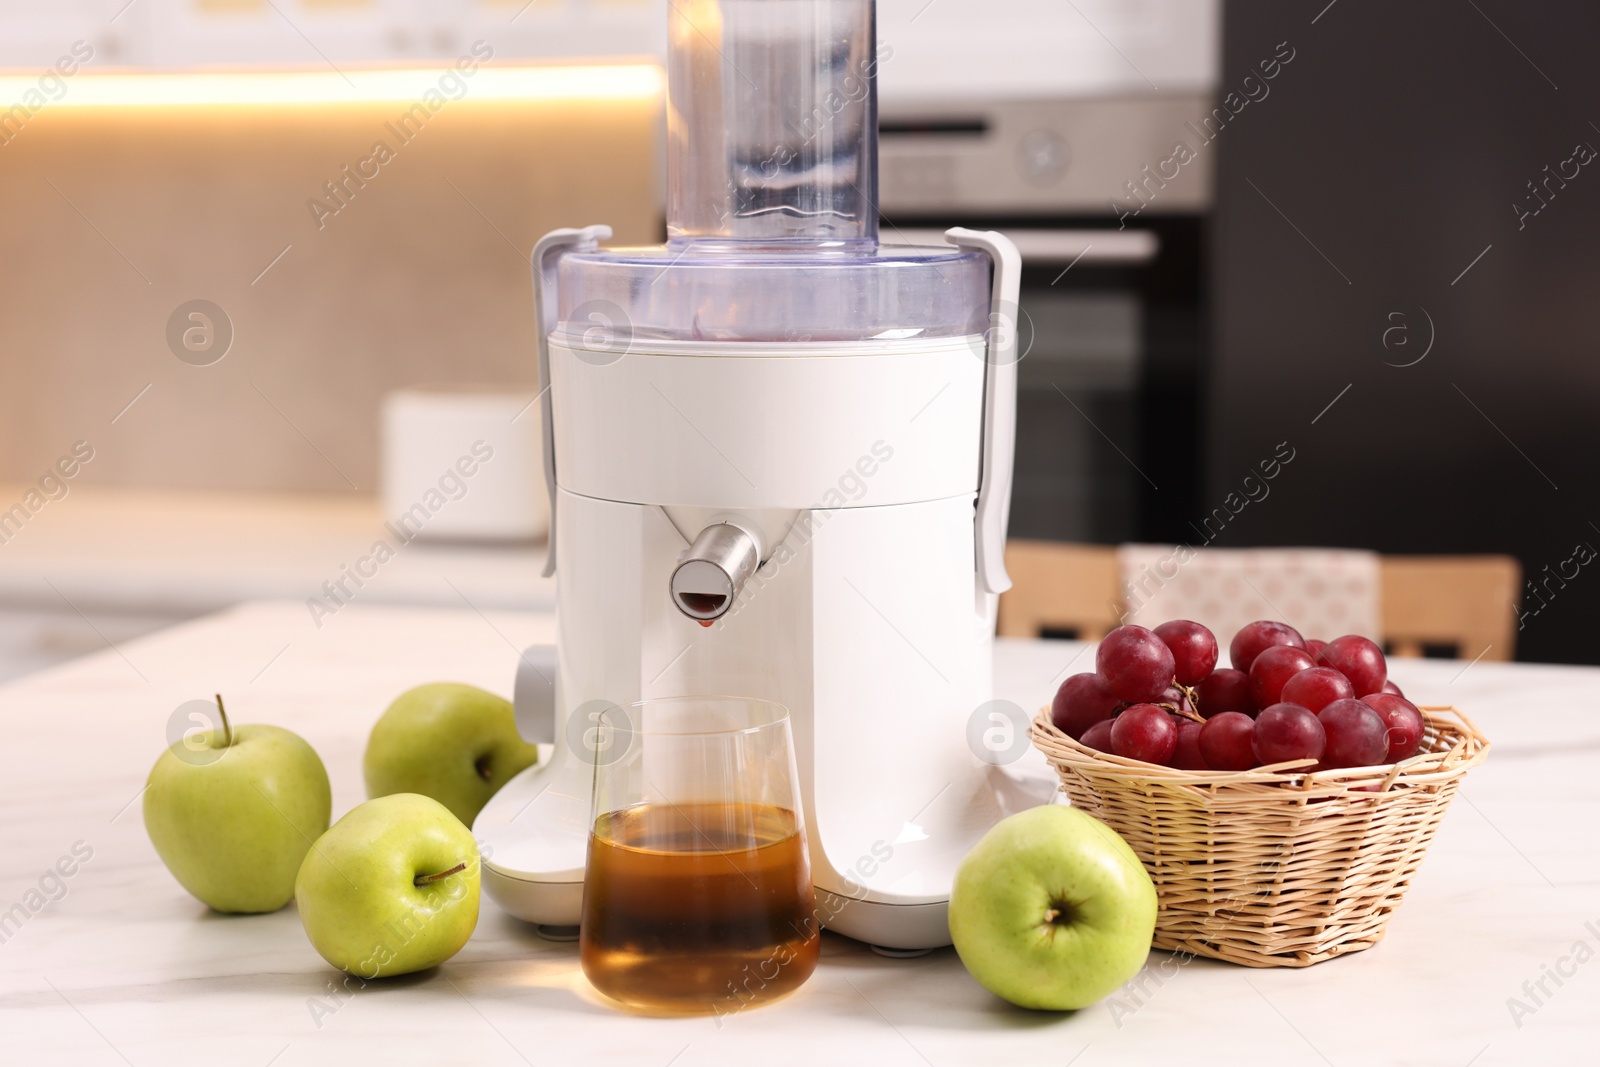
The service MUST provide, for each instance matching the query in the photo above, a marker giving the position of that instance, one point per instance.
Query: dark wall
(1394, 148)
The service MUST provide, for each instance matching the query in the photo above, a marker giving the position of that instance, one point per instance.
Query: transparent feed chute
(772, 213)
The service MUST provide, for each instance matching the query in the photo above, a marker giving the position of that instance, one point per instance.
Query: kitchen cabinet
(104, 566)
(1423, 341)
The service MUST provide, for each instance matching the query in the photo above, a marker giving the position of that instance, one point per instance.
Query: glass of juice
(697, 898)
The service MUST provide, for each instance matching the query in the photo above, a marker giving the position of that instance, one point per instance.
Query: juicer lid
(767, 293)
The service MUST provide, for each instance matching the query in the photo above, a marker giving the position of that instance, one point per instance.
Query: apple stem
(227, 730)
(429, 879)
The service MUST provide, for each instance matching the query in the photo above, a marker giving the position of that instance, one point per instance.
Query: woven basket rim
(1466, 748)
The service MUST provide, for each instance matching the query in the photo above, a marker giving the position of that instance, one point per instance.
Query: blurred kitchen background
(1361, 231)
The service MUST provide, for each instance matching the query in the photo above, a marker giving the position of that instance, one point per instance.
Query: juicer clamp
(546, 254)
(999, 402)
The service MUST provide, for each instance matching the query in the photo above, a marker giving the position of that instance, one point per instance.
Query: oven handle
(1060, 248)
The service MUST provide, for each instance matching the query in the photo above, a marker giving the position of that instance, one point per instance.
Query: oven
(1109, 440)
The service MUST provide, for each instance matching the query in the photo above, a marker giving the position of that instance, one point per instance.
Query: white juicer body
(872, 477)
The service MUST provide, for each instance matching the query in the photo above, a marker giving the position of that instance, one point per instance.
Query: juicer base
(544, 903)
(899, 953)
(892, 927)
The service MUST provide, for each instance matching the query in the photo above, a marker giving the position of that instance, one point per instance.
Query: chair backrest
(1467, 603)
(1324, 592)
(1060, 587)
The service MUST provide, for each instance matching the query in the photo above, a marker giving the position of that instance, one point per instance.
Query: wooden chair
(1468, 603)
(1464, 603)
(1071, 590)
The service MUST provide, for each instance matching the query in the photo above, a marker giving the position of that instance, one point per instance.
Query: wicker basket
(1273, 867)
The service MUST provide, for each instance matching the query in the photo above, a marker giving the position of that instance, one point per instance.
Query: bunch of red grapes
(1158, 696)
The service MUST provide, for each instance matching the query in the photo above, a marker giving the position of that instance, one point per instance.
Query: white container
(464, 463)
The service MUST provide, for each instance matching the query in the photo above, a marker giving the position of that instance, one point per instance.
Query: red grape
(1194, 649)
(1388, 687)
(1316, 688)
(1256, 637)
(1098, 736)
(1315, 648)
(1359, 660)
(1136, 664)
(1286, 732)
(1357, 735)
(1225, 689)
(1082, 701)
(1144, 732)
(1227, 742)
(1186, 754)
(1403, 720)
(1272, 670)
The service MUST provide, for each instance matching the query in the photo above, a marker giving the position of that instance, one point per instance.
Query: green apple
(233, 811)
(454, 743)
(392, 888)
(1051, 909)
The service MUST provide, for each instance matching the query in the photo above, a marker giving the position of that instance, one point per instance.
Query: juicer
(778, 454)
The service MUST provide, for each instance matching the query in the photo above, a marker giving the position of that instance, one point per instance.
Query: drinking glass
(697, 898)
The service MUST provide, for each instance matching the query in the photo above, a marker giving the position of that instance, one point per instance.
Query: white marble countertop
(127, 968)
(181, 554)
